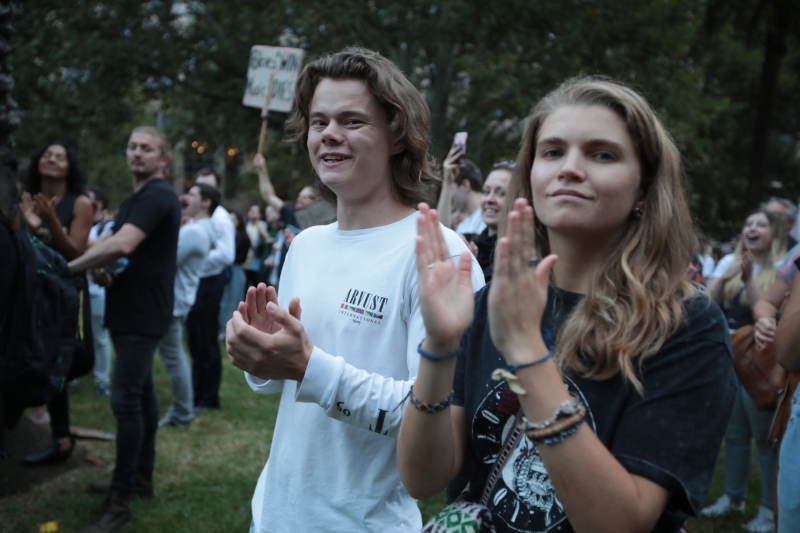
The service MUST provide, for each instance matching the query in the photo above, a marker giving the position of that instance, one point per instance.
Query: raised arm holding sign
(271, 77)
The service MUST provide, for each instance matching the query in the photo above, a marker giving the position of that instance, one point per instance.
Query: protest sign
(283, 65)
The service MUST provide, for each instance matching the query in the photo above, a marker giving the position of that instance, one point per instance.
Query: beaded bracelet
(557, 432)
(567, 408)
(559, 437)
(429, 408)
(432, 357)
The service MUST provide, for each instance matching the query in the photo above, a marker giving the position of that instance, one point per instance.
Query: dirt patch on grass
(28, 437)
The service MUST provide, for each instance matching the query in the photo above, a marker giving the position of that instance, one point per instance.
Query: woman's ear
(397, 148)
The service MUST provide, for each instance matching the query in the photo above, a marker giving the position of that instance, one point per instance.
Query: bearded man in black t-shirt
(137, 264)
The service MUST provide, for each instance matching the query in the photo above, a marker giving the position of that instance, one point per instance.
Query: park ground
(205, 473)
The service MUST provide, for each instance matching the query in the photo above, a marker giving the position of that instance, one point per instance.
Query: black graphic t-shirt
(671, 435)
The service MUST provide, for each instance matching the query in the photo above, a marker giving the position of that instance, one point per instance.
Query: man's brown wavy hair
(407, 115)
(636, 301)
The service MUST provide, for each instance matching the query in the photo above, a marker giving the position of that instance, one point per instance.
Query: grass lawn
(205, 473)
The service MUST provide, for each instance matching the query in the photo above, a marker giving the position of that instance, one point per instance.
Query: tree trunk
(778, 25)
(440, 144)
(9, 120)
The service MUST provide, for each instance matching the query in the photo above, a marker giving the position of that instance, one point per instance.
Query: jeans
(102, 342)
(133, 400)
(177, 366)
(789, 474)
(233, 294)
(201, 330)
(748, 423)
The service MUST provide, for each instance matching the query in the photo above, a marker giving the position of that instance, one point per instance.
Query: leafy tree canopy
(723, 74)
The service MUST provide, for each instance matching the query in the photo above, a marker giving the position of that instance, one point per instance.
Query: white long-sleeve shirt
(332, 465)
(223, 251)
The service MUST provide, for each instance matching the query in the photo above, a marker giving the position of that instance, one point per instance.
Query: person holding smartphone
(462, 186)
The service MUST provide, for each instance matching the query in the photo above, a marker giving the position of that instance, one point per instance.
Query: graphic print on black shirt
(523, 497)
(689, 389)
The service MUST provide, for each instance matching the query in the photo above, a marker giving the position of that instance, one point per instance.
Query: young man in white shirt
(194, 244)
(202, 321)
(346, 363)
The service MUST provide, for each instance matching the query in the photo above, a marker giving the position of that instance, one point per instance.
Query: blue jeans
(748, 423)
(177, 366)
(789, 474)
(102, 342)
(135, 406)
(233, 294)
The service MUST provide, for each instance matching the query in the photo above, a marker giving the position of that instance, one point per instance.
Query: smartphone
(460, 140)
(293, 229)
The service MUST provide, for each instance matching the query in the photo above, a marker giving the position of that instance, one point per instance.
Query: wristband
(432, 357)
(513, 368)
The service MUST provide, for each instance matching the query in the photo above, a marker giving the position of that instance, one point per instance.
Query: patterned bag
(463, 516)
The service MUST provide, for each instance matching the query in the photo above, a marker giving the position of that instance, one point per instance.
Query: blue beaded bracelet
(432, 357)
(513, 368)
(562, 435)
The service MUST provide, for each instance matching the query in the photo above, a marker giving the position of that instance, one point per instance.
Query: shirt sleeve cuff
(321, 378)
(262, 386)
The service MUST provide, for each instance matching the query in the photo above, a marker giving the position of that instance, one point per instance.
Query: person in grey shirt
(195, 241)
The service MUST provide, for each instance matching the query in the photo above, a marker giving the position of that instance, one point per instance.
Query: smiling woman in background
(57, 210)
(494, 196)
(736, 285)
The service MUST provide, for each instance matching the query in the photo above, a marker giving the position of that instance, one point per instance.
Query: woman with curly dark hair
(56, 209)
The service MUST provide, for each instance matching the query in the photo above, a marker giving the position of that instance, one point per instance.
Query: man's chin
(142, 174)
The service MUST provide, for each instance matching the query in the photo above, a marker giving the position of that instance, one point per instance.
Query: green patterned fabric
(461, 517)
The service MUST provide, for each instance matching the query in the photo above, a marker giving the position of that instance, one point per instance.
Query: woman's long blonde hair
(635, 301)
(766, 277)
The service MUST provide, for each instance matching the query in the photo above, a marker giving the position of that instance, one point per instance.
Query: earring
(638, 212)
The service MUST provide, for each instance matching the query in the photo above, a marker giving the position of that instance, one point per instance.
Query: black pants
(201, 332)
(82, 364)
(133, 400)
(252, 279)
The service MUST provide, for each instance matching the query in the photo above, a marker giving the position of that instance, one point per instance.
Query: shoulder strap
(512, 439)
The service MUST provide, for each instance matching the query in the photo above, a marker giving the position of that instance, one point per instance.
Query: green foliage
(88, 73)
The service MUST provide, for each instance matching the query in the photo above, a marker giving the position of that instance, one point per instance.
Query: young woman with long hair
(738, 282)
(57, 210)
(619, 372)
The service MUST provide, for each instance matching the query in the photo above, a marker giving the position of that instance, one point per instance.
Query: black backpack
(40, 331)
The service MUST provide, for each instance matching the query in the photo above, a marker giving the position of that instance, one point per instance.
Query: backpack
(41, 326)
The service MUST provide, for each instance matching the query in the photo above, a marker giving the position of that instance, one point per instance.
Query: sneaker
(764, 522)
(101, 389)
(722, 507)
(169, 421)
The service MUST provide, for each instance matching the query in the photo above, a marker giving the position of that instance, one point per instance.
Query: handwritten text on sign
(285, 63)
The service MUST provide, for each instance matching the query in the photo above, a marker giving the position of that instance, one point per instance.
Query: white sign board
(285, 64)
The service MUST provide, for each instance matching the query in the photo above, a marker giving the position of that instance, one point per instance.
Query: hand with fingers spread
(279, 351)
(445, 290)
(518, 293)
(254, 308)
